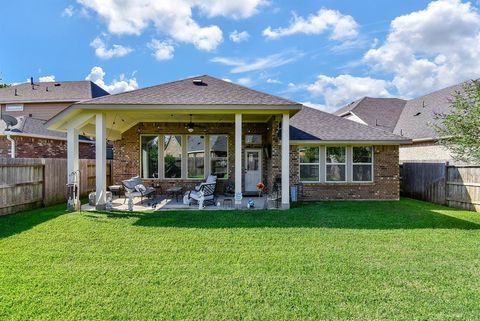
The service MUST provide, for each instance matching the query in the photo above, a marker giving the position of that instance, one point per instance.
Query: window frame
(345, 164)
(371, 164)
(140, 174)
(319, 164)
(162, 159)
(210, 158)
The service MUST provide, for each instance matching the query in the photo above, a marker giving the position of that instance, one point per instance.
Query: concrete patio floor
(162, 203)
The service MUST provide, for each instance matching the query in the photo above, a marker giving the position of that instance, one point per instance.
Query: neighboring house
(32, 106)
(408, 118)
(243, 135)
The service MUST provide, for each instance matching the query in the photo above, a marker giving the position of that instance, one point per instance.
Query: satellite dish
(9, 120)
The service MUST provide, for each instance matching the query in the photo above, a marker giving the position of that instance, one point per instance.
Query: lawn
(406, 260)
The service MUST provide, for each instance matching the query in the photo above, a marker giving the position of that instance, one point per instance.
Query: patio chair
(208, 190)
(210, 179)
(134, 187)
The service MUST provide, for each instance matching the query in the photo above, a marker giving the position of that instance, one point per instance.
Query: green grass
(406, 260)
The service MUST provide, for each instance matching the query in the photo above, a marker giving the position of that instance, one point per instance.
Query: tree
(459, 130)
(2, 85)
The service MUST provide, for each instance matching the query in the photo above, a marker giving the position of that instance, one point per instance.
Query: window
(253, 139)
(335, 164)
(362, 165)
(195, 156)
(14, 107)
(172, 156)
(149, 156)
(309, 164)
(219, 156)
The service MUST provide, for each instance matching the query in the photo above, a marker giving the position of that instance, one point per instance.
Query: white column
(100, 161)
(286, 161)
(238, 156)
(73, 176)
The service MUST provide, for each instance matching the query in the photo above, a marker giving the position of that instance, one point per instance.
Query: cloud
(315, 105)
(171, 18)
(245, 81)
(227, 79)
(343, 89)
(269, 62)
(68, 11)
(50, 78)
(273, 81)
(430, 49)
(340, 26)
(97, 76)
(236, 36)
(162, 50)
(103, 52)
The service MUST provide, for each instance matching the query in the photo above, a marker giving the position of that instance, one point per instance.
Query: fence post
(446, 182)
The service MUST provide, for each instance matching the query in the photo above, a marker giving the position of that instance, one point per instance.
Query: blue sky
(322, 53)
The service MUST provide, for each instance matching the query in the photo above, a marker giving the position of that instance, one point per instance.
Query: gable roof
(377, 112)
(61, 91)
(210, 91)
(418, 115)
(312, 124)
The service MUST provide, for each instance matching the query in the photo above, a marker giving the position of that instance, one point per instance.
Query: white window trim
(141, 158)
(344, 164)
(209, 159)
(318, 164)
(14, 107)
(371, 165)
(162, 160)
(205, 137)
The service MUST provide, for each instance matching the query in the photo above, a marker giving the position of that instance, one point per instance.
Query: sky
(324, 54)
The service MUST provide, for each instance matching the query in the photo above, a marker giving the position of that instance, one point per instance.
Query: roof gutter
(350, 142)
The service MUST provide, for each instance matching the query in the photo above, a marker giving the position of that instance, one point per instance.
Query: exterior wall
(425, 151)
(31, 147)
(126, 152)
(385, 185)
(43, 111)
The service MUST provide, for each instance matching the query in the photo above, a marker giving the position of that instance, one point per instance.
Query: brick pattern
(32, 147)
(386, 184)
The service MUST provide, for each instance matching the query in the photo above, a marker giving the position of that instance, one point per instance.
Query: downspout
(12, 145)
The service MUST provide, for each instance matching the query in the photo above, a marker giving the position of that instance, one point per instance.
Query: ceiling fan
(191, 126)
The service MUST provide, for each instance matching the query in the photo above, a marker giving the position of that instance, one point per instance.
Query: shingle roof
(377, 112)
(418, 115)
(313, 124)
(212, 91)
(66, 91)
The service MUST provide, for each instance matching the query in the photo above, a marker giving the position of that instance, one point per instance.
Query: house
(408, 118)
(32, 104)
(203, 125)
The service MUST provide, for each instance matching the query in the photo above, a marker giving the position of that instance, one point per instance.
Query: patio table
(175, 192)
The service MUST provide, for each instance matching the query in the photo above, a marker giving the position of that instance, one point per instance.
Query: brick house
(178, 133)
(32, 104)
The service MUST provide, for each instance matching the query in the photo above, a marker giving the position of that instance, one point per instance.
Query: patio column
(73, 176)
(100, 161)
(238, 157)
(285, 161)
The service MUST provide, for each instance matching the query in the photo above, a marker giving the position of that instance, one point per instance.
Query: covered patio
(155, 130)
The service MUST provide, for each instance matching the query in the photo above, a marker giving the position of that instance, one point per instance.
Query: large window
(362, 165)
(149, 156)
(172, 156)
(335, 164)
(309, 164)
(196, 156)
(219, 156)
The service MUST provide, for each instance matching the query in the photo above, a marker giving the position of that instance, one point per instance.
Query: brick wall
(32, 147)
(126, 163)
(386, 184)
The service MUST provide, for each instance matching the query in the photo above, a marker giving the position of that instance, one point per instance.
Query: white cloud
(172, 18)
(227, 79)
(162, 50)
(50, 78)
(103, 52)
(68, 11)
(273, 81)
(272, 61)
(340, 26)
(236, 36)
(343, 89)
(97, 76)
(245, 81)
(431, 48)
(315, 105)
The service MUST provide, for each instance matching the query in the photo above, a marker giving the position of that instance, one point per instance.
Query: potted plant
(260, 188)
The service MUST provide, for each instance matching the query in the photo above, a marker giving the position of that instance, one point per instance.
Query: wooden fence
(33, 182)
(452, 185)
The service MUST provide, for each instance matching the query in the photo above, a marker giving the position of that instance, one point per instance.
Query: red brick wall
(32, 147)
(385, 186)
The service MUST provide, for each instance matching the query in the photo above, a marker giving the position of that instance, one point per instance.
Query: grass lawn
(406, 260)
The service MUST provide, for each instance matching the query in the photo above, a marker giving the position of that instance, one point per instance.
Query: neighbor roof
(312, 124)
(378, 112)
(207, 91)
(61, 91)
(418, 116)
